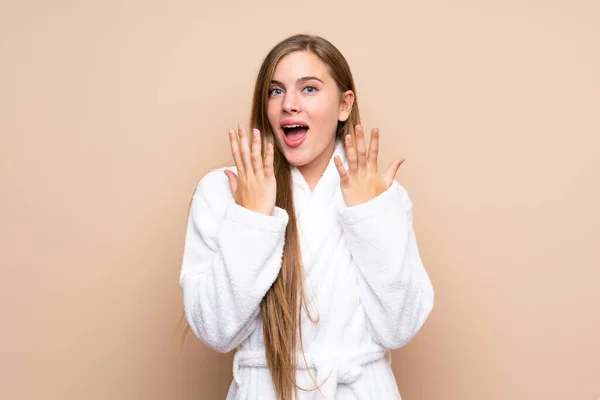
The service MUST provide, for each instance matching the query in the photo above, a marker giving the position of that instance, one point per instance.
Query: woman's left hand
(362, 182)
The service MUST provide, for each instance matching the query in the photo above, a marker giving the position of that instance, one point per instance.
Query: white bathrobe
(363, 276)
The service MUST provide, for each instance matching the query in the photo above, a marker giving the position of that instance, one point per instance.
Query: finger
(257, 161)
(235, 151)
(233, 181)
(373, 150)
(351, 154)
(269, 160)
(361, 148)
(390, 173)
(245, 150)
(344, 177)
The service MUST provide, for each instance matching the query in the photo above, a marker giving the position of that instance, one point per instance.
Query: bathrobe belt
(329, 371)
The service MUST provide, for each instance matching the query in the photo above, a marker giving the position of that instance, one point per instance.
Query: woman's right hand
(254, 187)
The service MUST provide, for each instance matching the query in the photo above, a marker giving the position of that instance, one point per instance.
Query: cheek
(272, 112)
(324, 111)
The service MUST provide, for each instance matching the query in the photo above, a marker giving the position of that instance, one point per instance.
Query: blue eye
(274, 91)
(313, 89)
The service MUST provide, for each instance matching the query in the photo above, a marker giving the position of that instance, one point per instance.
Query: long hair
(281, 306)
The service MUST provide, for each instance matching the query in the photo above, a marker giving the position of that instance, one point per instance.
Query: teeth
(293, 126)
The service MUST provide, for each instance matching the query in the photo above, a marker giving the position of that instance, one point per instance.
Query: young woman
(303, 256)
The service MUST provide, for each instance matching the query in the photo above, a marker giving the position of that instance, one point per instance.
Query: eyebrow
(303, 79)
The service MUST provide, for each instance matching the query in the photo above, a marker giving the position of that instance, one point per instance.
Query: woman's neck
(313, 171)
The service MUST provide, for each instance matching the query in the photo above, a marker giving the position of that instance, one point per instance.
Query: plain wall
(111, 112)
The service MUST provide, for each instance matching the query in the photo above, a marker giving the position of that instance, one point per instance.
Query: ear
(346, 105)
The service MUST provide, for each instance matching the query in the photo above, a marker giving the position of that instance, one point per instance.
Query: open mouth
(294, 130)
(294, 135)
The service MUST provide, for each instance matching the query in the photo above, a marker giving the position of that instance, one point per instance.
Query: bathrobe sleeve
(395, 290)
(231, 258)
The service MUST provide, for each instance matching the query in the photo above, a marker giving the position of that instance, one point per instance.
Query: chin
(297, 159)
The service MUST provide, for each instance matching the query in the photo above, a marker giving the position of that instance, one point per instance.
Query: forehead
(299, 64)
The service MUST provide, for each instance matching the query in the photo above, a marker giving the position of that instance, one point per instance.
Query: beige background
(110, 112)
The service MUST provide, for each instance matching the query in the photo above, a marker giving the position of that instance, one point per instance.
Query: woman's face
(304, 108)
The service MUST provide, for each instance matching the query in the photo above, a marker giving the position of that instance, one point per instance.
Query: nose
(291, 103)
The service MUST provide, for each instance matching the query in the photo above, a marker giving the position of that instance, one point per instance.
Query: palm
(254, 187)
(362, 181)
